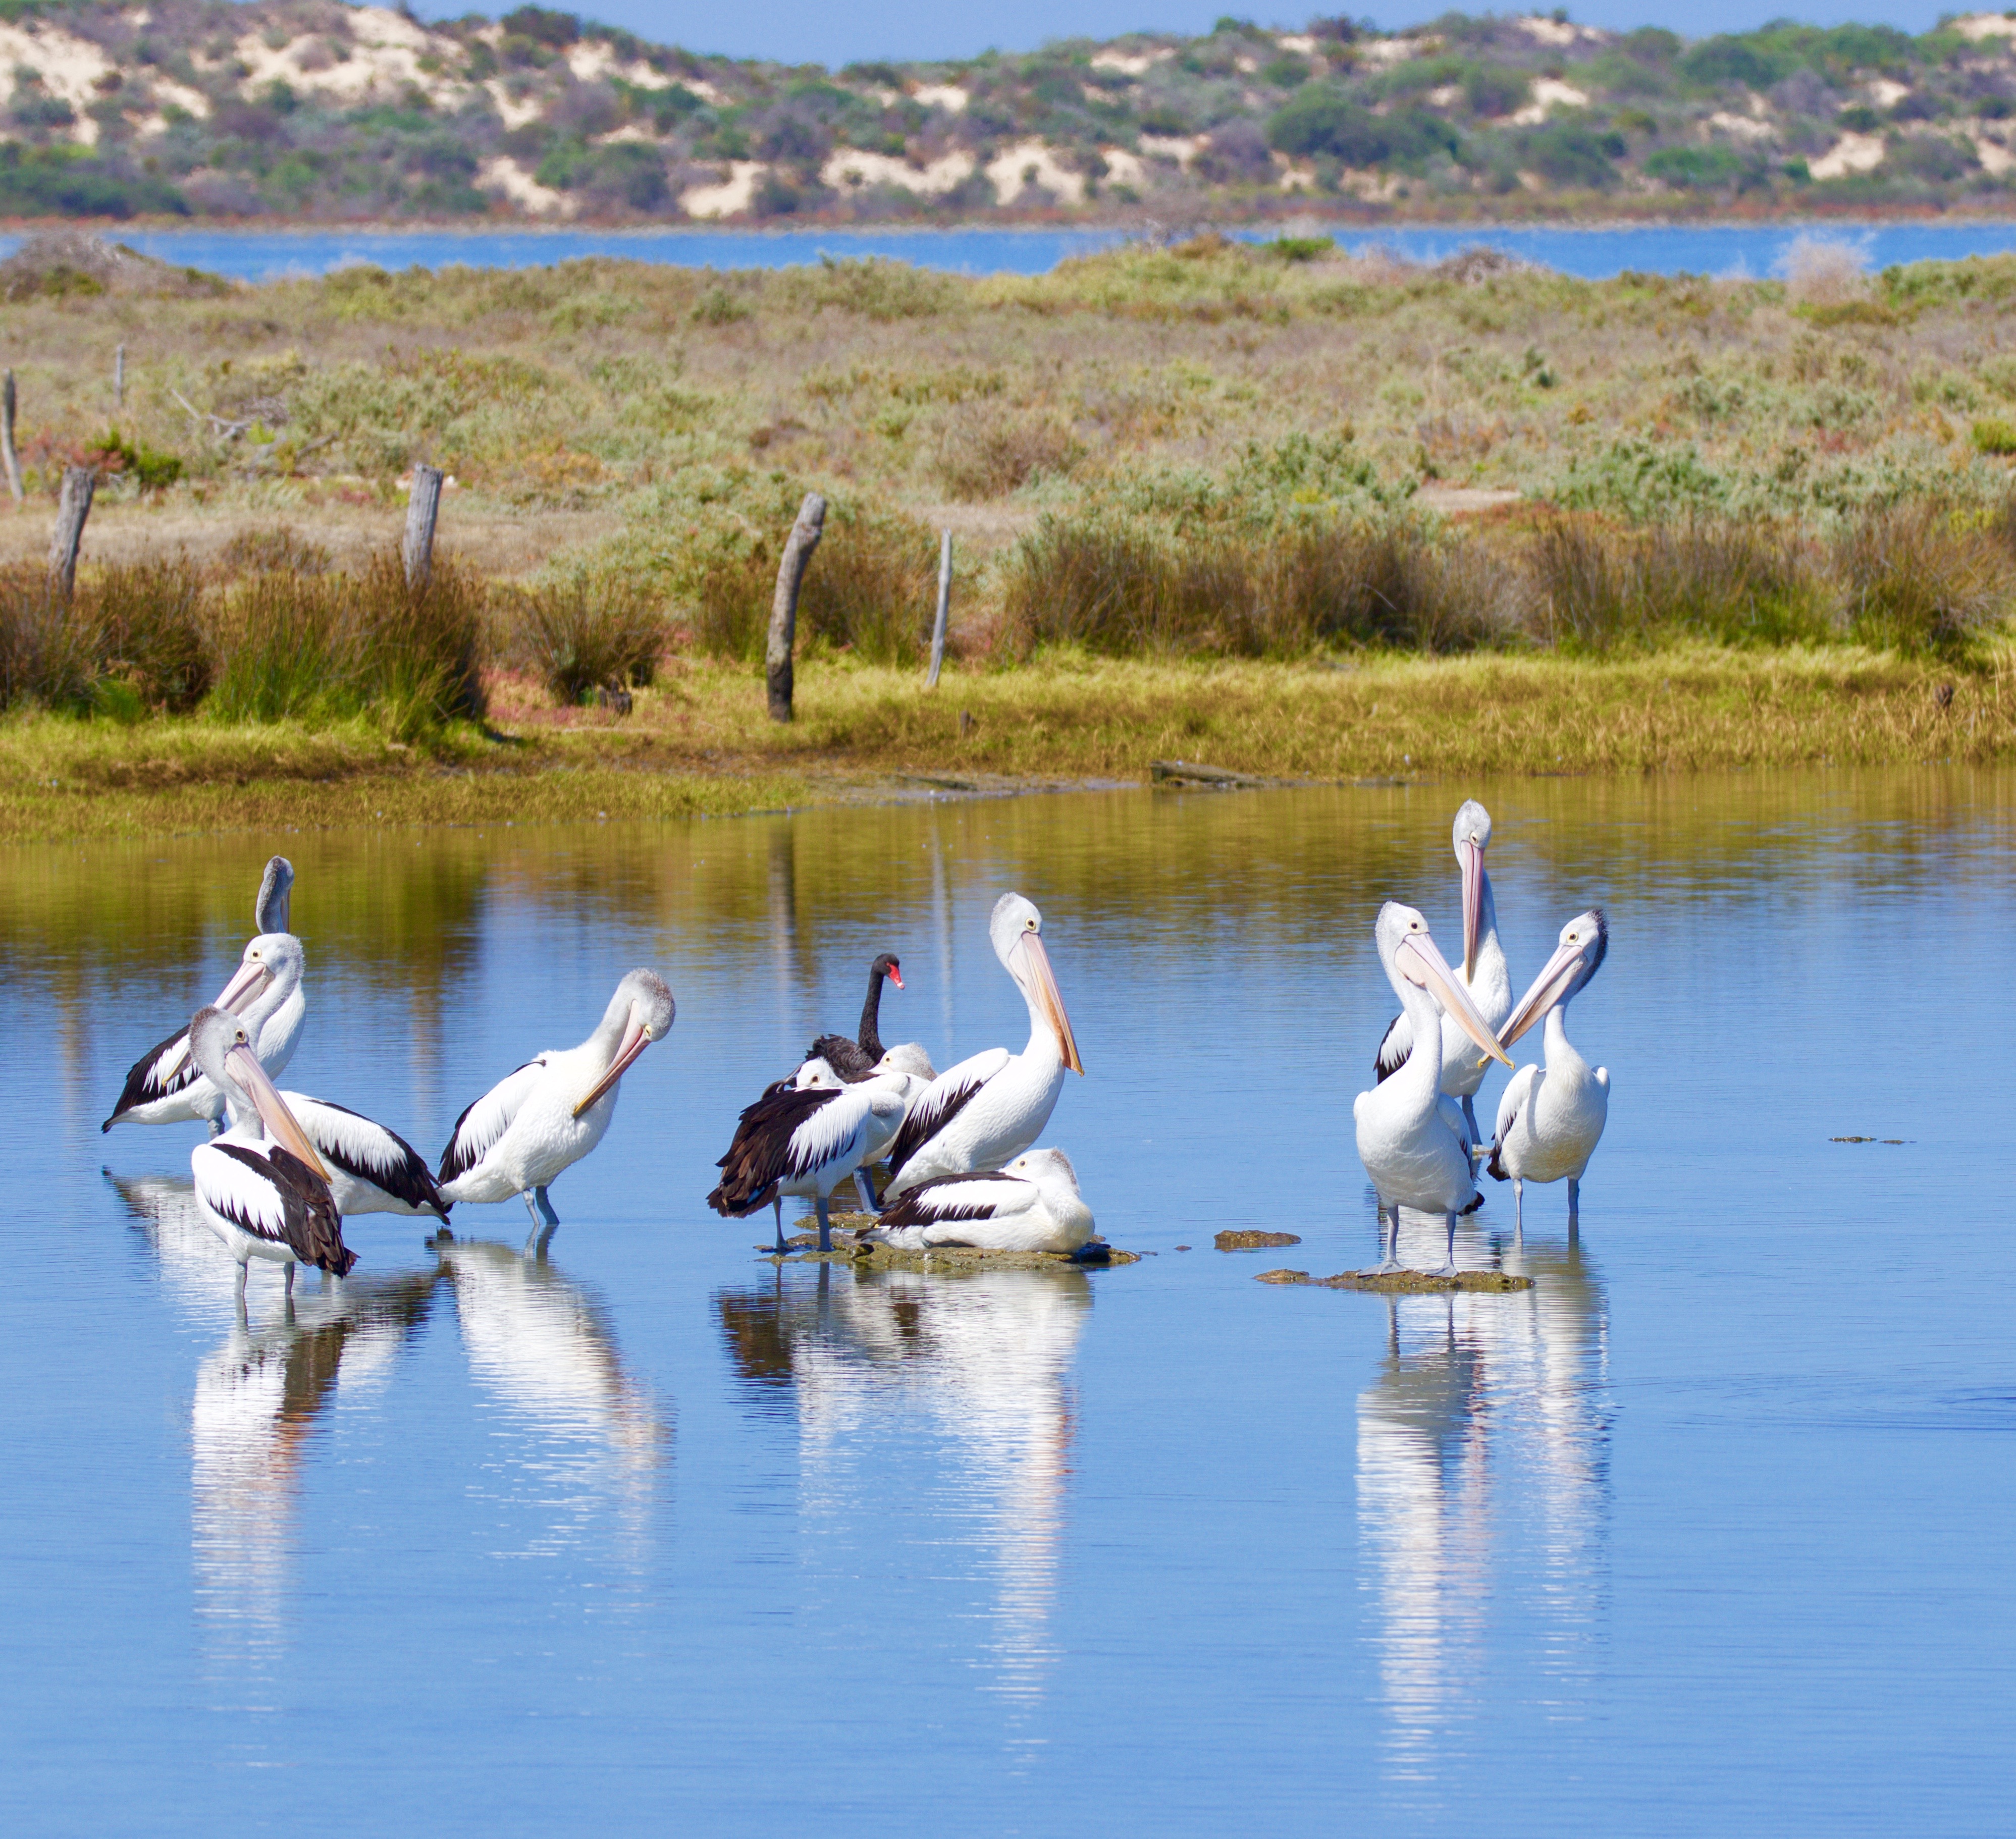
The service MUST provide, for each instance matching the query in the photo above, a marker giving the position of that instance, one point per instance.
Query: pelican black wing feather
(142, 1087)
(921, 1207)
(930, 1115)
(760, 1156)
(1395, 1046)
(406, 1177)
(310, 1227)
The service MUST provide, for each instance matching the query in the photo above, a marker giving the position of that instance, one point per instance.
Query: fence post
(422, 507)
(7, 439)
(78, 484)
(944, 609)
(118, 377)
(798, 547)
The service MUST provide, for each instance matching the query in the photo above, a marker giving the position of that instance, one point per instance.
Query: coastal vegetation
(302, 108)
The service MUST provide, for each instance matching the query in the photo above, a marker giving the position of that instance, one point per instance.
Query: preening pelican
(525, 1130)
(856, 1059)
(1485, 974)
(261, 1187)
(1549, 1123)
(805, 1141)
(165, 1085)
(1032, 1205)
(1415, 1156)
(983, 1111)
(371, 1169)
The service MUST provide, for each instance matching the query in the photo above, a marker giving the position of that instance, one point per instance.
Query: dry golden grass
(699, 741)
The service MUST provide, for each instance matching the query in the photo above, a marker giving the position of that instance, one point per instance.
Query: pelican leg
(243, 1266)
(1574, 1207)
(1518, 1209)
(1469, 1117)
(866, 1189)
(1391, 1247)
(1449, 1262)
(531, 1209)
(778, 1202)
(290, 1283)
(826, 1225)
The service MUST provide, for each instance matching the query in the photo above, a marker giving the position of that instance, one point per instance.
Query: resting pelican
(977, 1115)
(856, 1059)
(261, 1187)
(1032, 1205)
(526, 1129)
(165, 1086)
(371, 1169)
(1406, 1139)
(806, 1140)
(1485, 975)
(1549, 1123)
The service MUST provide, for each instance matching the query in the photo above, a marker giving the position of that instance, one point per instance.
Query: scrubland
(1291, 511)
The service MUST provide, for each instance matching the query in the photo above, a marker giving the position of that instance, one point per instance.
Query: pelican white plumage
(1406, 1140)
(1550, 1122)
(1486, 977)
(805, 1140)
(526, 1129)
(371, 1169)
(261, 1187)
(164, 1085)
(985, 1110)
(1032, 1205)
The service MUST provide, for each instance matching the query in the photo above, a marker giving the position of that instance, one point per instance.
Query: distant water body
(1726, 250)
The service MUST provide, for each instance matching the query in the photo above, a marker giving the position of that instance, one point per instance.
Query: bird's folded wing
(364, 1148)
(149, 1079)
(273, 1195)
(955, 1197)
(1394, 1047)
(830, 1133)
(943, 1099)
(477, 1130)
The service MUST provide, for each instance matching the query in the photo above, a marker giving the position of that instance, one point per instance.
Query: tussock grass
(577, 638)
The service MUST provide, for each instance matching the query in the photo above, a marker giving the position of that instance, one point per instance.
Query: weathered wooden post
(118, 377)
(78, 484)
(7, 439)
(798, 547)
(944, 609)
(422, 507)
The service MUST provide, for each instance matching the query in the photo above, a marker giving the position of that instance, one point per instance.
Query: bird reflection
(970, 1373)
(1483, 1475)
(545, 1353)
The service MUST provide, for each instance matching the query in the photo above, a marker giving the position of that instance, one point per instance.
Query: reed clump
(576, 636)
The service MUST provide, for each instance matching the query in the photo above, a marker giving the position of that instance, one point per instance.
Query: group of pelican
(282, 1170)
(1417, 1133)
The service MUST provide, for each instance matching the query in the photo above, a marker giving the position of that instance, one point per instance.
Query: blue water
(1718, 250)
(1708, 1532)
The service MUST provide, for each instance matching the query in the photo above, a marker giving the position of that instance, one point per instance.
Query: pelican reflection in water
(1483, 1471)
(965, 1375)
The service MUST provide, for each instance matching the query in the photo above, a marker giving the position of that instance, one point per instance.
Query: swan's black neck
(870, 1036)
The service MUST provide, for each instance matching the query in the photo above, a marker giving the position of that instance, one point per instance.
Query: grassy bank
(698, 742)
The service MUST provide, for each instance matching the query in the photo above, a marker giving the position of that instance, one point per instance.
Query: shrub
(871, 587)
(1918, 578)
(273, 548)
(1992, 434)
(148, 629)
(579, 637)
(48, 650)
(984, 452)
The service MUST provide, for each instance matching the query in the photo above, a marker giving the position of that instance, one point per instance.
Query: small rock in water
(1406, 1282)
(1255, 1241)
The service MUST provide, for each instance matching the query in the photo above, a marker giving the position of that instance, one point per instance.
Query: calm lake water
(1593, 252)
(1708, 1532)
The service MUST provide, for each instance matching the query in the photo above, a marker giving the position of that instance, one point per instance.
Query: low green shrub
(1993, 434)
(579, 636)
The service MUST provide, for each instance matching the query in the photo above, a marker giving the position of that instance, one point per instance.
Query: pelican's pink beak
(281, 1124)
(1548, 987)
(636, 1038)
(1420, 962)
(1049, 1001)
(1472, 906)
(246, 981)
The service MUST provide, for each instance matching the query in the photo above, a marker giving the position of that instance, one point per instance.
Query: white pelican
(166, 1086)
(261, 1187)
(1032, 1205)
(526, 1129)
(1549, 1123)
(1485, 974)
(856, 1059)
(371, 1169)
(805, 1141)
(977, 1115)
(1415, 1156)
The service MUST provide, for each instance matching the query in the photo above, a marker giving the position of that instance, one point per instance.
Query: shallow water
(1708, 1532)
(1594, 252)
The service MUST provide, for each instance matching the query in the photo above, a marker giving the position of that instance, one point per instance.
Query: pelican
(1485, 975)
(261, 1187)
(806, 1140)
(977, 1115)
(856, 1059)
(371, 1169)
(1549, 1123)
(164, 1086)
(1410, 1146)
(526, 1129)
(1032, 1205)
